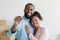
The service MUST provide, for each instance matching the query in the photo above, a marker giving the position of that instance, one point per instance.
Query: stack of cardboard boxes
(3, 30)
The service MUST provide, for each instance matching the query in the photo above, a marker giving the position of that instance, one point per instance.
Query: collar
(25, 18)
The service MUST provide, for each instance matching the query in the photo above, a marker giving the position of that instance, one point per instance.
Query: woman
(40, 33)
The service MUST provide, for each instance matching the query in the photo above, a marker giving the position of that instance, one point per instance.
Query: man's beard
(27, 16)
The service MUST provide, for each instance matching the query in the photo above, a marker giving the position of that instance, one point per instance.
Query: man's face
(29, 10)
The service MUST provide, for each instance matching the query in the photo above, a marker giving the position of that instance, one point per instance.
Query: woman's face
(35, 21)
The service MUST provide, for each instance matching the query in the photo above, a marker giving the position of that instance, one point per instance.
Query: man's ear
(24, 10)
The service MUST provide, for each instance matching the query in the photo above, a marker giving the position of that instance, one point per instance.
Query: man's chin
(27, 16)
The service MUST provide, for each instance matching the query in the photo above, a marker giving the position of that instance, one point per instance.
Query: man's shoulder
(24, 19)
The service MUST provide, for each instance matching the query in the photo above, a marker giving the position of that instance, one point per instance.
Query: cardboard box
(3, 28)
(3, 36)
(3, 25)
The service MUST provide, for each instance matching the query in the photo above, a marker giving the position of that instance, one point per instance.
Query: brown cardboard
(3, 28)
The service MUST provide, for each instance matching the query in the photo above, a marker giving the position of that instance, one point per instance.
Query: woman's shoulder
(46, 31)
(45, 28)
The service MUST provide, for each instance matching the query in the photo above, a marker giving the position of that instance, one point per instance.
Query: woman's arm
(32, 37)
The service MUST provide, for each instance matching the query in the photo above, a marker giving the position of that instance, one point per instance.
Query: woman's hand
(27, 29)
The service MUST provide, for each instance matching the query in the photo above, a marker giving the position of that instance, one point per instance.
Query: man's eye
(31, 9)
(35, 20)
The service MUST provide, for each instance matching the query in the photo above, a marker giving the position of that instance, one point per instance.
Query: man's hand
(27, 29)
(17, 20)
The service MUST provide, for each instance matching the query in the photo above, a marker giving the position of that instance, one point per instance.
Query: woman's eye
(32, 21)
(35, 20)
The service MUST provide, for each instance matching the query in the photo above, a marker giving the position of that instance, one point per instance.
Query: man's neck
(26, 18)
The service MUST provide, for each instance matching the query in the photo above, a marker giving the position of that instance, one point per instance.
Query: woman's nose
(34, 22)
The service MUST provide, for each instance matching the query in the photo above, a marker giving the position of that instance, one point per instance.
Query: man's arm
(17, 20)
(13, 29)
(30, 35)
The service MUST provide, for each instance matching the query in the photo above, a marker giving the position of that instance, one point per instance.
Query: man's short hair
(29, 4)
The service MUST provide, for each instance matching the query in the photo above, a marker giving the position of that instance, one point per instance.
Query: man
(18, 28)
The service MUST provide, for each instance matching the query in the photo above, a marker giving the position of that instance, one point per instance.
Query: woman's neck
(36, 27)
(35, 30)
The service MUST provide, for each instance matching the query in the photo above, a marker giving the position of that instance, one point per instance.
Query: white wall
(50, 10)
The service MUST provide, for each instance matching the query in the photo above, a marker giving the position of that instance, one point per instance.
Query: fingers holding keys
(17, 19)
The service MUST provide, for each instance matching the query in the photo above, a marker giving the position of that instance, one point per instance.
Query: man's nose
(29, 11)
